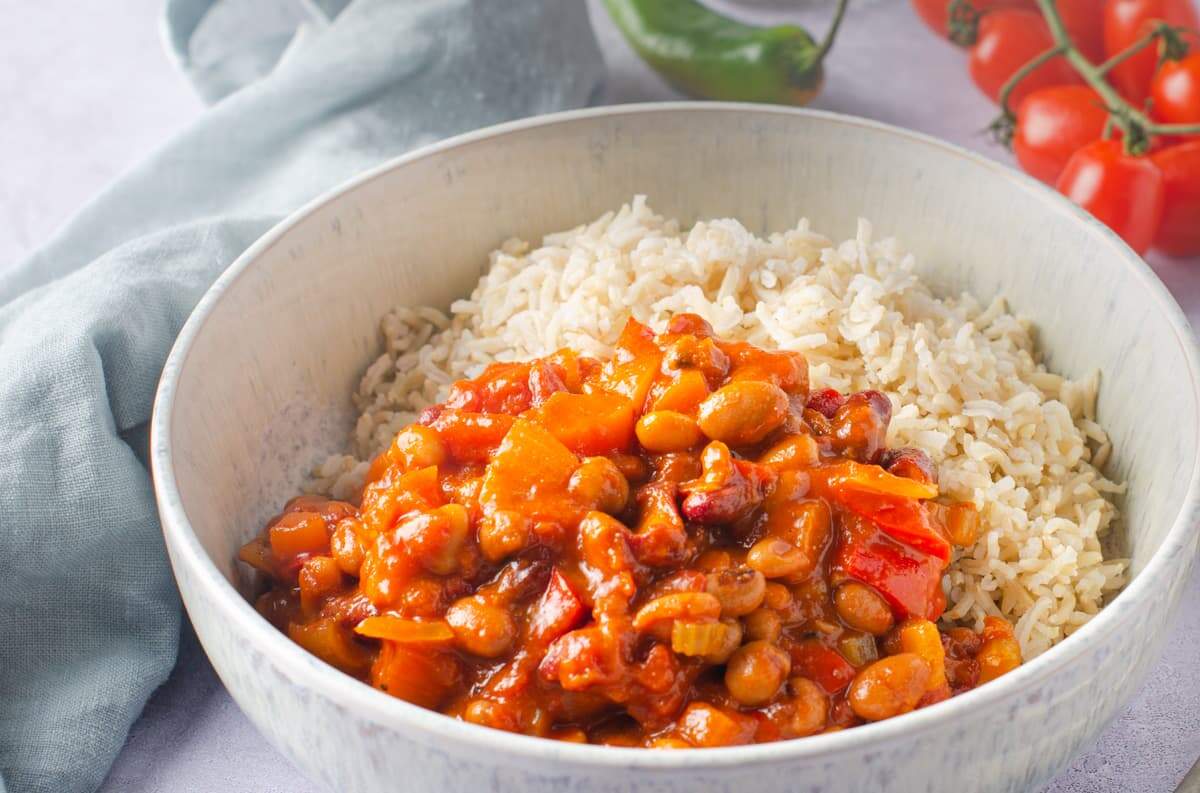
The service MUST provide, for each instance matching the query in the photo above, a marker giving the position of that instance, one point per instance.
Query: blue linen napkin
(314, 92)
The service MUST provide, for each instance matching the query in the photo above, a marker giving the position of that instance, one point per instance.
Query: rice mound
(1019, 442)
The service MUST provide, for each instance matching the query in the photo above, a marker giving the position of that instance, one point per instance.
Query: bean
(863, 609)
(776, 558)
(667, 431)
(763, 624)
(345, 546)
(416, 447)
(599, 484)
(743, 412)
(859, 427)
(756, 671)
(503, 533)
(921, 637)
(632, 467)
(809, 708)
(481, 628)
(492, 714)
(435, 538)
(777, 597)
(739, 589)
(910, 463)
(678, 467)
(889, 687)
(702, 355)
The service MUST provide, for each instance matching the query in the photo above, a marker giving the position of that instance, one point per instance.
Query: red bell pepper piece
(558, 611)
(909, 579)
(821, 664)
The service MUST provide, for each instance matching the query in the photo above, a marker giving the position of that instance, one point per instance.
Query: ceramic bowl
(258, 388)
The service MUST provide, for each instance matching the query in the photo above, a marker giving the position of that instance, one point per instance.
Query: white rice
(1018, 441)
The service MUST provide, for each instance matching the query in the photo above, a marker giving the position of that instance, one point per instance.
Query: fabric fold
(88, 609)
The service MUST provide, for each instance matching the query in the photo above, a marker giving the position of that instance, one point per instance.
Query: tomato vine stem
(1137, 127)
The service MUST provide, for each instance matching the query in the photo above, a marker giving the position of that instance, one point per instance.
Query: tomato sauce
(678, 547)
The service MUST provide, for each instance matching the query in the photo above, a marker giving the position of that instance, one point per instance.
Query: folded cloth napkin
(89, 616)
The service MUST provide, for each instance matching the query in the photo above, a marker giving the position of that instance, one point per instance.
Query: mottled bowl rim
(187, 552)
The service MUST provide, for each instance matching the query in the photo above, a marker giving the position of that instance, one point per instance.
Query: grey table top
(108, 77)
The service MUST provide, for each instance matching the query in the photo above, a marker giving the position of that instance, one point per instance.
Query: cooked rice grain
(1013, 438)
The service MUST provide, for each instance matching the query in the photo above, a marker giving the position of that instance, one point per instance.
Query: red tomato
(1084, 21)
(1123, 192)
(936, 13)
(1008, 39)
(1052, 123)
(1176, 91)
(1126, 21)
(1179, 233)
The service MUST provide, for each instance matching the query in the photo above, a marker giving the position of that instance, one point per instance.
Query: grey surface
(107, 75)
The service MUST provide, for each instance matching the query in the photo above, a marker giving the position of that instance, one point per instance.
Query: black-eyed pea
(756, 672)
(740, 590)
(808, 708)
(763, 625)
(480, 627)
(502, 534)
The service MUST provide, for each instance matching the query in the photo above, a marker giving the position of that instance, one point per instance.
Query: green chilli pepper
(710, 56)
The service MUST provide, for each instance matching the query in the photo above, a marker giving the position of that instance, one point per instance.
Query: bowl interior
(264, 390)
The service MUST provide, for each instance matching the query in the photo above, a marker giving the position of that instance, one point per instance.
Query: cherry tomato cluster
(1063, 131)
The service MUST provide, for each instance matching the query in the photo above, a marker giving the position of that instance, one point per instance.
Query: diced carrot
(684, 393)
(705, 725)
(1000, 652)
(319, 577)
(633, 369)
(330, 642)
(396, 494)
(298, 532)
(416, 675)
(469, 437)
(529, 473)
(257, 554)
(588, 424)
(435, 632)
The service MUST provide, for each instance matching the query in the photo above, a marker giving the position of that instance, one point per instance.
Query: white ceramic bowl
(258, 385)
